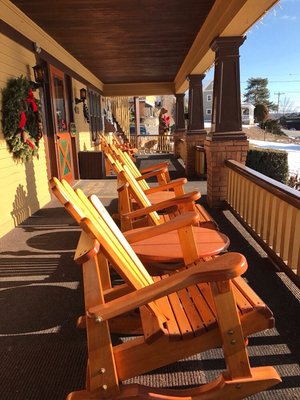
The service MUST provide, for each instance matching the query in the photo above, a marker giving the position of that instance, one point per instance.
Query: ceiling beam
(226, 18)
(138, 89)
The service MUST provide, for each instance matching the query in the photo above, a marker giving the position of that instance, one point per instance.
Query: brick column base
(178, 137)
(217, 151)
(196, 139)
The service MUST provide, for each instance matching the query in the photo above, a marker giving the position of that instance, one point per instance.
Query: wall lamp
(82, 96)
(39, 77)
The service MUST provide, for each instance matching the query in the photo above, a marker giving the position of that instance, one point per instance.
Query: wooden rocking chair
(196, 309)
(160, 171)
(146, 241)
(132, 196)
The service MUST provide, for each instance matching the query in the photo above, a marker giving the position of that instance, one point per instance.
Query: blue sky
(272, 50)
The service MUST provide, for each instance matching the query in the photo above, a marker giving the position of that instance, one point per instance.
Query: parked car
(143, 130)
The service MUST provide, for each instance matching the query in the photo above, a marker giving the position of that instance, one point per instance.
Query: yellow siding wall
(24, 186)
(82, 127)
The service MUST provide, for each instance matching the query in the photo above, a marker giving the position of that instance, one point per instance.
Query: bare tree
(287, 106)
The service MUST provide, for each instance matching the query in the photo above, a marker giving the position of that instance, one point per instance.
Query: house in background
(207, 101)
(247, 108)
(248, 113)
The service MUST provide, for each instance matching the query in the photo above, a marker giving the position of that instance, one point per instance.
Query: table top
(166, 247)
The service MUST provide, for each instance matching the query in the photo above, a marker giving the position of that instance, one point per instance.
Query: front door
(62, 135)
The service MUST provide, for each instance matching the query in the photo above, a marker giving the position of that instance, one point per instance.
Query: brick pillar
(196, 133)
(217, 174)
(226, 139)
(179, 123)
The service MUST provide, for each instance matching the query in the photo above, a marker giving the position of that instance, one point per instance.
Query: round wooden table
(166, 248)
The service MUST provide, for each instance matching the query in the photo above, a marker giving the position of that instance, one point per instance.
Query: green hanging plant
(20, 119)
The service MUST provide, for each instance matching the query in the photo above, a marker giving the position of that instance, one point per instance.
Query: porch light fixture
(82, 96)
(39, 76)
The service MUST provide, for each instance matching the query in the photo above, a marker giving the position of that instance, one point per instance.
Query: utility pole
(278, 94)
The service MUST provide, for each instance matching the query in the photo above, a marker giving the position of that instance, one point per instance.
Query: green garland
(22, 143)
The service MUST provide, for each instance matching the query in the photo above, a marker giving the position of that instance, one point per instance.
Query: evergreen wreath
(20, 119)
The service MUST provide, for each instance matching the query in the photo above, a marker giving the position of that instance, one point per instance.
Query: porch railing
(153, 143)
(271, 211)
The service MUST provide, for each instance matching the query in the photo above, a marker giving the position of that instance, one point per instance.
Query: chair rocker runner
(190, 311)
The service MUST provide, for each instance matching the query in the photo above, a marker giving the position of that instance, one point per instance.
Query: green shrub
(272, 163)
(273, 126)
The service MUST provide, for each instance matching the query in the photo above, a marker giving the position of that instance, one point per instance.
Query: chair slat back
(104, 230)
(117, 248)
(65, 196)
(139, 195)
(135, 189)
(126, 160)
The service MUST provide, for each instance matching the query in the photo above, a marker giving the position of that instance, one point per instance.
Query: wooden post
(137, 116)
(196, 118)
(226, 139)
(196, 133)
(226, 115)
(179, 123)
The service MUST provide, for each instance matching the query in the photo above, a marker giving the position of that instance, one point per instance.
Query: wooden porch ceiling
(140, 47)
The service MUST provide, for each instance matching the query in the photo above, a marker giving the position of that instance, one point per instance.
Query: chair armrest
(124, 186)
(187, 219)
(220, 269)
(175, 201)
(153, 167)
(87, 248)
(153, 173)
(167, 186)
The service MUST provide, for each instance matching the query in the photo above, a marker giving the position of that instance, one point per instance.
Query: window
(209, 97)
(59, 103)
(95, 114)
(208, 111)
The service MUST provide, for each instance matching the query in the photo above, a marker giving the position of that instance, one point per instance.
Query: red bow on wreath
(30, 99)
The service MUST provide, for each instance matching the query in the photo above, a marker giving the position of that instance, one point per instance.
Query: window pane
(59, 104)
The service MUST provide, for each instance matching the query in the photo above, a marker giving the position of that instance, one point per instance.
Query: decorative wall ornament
(20, 119)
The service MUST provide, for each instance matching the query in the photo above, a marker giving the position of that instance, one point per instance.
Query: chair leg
(101, 370)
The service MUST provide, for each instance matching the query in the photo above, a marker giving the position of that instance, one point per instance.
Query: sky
(272, 50)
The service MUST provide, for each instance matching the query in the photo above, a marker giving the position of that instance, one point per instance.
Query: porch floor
(43, 354)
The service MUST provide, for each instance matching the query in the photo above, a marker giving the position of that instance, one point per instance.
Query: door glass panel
(59, 103)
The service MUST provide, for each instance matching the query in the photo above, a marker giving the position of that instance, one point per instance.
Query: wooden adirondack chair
(160, 170)
(121, 161)
(204, 306)
(82, 208)
(147, 241)
(166, 189)
(128, 147)
(130, 191)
